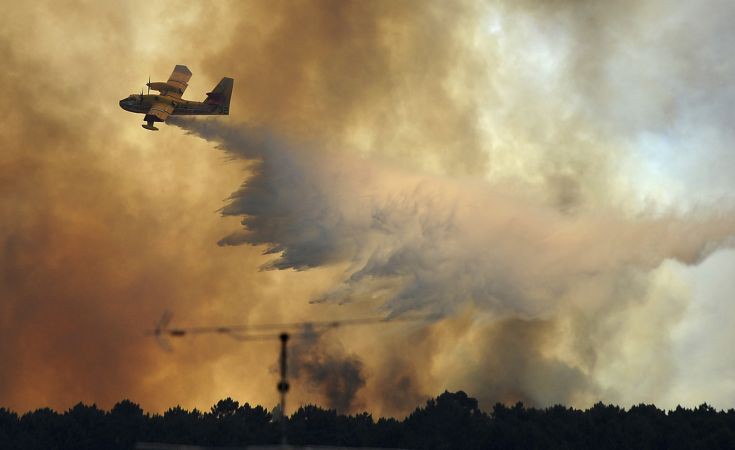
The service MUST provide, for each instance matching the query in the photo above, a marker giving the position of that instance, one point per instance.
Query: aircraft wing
(160, 110)
(179, 80)
(176, 84)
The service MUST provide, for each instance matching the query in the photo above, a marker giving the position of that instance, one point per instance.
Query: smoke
(548, 175)
(97, 236)
(328, 370)
(547, 167)
(417, 242)
(338, 71)
(432, 240)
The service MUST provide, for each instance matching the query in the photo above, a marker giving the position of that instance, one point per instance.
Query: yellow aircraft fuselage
(141, 104)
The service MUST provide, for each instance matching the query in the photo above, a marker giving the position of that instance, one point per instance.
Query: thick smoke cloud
(97, 235)
(442, 240)
(546, 174)
(440, 245)
(325, 368)
(378, 74)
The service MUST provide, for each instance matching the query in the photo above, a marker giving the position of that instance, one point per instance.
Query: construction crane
(272, 331)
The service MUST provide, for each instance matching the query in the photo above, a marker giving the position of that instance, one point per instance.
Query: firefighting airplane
(168, 101)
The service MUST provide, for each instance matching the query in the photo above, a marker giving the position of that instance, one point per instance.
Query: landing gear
(149, 126)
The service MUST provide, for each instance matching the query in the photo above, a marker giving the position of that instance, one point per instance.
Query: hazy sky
(553, 177)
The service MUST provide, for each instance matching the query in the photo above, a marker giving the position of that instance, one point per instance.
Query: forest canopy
(450, 421)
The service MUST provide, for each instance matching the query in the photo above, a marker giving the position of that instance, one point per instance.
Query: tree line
(450, 421)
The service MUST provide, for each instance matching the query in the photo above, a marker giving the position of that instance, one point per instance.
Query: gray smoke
(604, 129)
(328, 370)
(547, 289)
(433, 242)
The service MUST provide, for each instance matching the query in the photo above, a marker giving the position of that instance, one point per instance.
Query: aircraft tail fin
(220, 95)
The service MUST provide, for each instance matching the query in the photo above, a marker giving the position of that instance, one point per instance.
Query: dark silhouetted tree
(451, 421)
(127, 425)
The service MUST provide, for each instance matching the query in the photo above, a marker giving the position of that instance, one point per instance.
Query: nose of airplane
(122, 103)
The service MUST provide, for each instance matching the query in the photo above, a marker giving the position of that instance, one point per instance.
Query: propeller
(149, 84)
